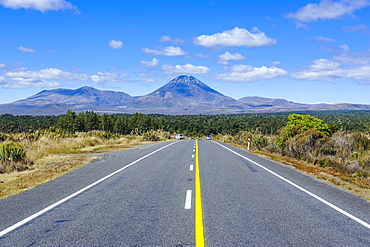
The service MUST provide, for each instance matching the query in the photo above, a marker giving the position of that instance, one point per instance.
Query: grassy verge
(45, 162)
(356, 185)
(45, 170)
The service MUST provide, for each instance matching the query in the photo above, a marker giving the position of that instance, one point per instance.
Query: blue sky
(302, 51)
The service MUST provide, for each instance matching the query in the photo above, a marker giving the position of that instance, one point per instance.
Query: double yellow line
(199, 230)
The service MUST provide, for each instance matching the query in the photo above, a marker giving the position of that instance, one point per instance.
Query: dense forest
(339, 140)
(190, 125)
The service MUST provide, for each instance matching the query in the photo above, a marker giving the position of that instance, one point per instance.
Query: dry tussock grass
(48, 164)
(359, 186)
(45, 170)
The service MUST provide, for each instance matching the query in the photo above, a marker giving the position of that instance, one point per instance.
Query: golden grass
(351, 183)
(48, 164)
(47, 169)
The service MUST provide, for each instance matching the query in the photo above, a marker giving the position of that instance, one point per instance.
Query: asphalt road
(145, 197)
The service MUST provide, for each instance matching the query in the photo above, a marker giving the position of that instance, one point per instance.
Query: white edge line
(22, 222)
(304, 190)
(188, 199)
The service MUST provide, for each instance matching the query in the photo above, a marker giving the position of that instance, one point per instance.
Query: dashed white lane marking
(188, 199)
(20, 223)
(191, 167)
(192, 156)
(302, 189)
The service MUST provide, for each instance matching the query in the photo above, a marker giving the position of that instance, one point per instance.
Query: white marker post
(249, 143)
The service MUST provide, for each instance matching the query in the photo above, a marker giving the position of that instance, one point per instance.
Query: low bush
(12, 157)
(12, 151)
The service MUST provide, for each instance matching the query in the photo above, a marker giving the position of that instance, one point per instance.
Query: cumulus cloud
(39, 5)
(185, 69)
(25, 49)
(51, 77)
(227, 56)
(153, 63)
(327, 10)
(115, 44)
(166, 38)
(234, 38)
(170, 51)
(241, 72)
(361, 73)
(345, 64)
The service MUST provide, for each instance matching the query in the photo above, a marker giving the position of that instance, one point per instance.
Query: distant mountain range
(182, 95)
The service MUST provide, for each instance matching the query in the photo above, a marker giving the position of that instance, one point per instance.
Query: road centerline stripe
(26, 220)
(188, 199)
(302, 189)
(199, 229)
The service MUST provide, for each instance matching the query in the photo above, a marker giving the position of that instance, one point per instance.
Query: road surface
(174, 194)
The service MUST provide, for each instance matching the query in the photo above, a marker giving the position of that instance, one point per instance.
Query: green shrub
(150, 137)
(12, 151)
(259, 140)
(308, 145)
(12, 157)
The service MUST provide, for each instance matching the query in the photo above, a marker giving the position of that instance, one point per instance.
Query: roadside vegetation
(334, 146)
(30, 159)
(310, 145)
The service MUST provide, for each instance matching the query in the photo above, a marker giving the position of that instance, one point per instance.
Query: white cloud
(345, 64)
(360, 28)
(51, 77)
(170, 51)
(115, 44)
(325, 39)
(199, 55)
(147, 80)
(242, 72)
(327, 9)
(185, 69)
(241, 68)
(235, 37)
(153, 63)
(361, 73)
(276, 63)
(227, 56)
(346, 56)
(102, 78)
(25, 49)
(166, 38)
(40, 5)
(324, 64)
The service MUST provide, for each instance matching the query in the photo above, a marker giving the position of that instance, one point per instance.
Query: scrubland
(340, 158)
(30, 159)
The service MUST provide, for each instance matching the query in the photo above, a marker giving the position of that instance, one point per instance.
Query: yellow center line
(199, 230)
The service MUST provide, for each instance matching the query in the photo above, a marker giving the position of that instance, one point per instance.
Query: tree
(67, 121)
(300, 123)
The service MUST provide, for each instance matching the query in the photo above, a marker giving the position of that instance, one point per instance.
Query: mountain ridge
(182, 95)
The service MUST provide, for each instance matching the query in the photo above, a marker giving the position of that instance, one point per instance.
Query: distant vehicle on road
(179, 136)
(209, 138)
